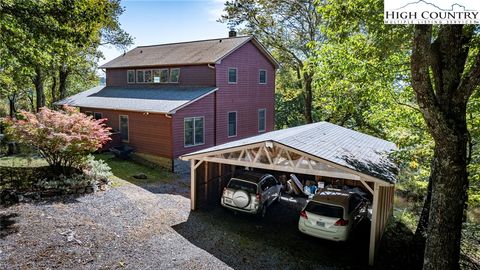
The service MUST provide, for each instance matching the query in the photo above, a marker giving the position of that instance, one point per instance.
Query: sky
(164, 21)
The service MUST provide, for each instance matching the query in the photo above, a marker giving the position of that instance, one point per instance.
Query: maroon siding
(247, 96)
(148, 133)
(203, 107)
(159, 135)
(200, 75)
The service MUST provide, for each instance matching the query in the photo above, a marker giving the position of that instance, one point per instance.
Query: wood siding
(158, 135)
(247, 96)
(200, 75)
(204, 107)
(148, 133)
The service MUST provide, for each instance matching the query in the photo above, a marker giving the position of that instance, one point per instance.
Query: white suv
(332, 214)
(251, 193)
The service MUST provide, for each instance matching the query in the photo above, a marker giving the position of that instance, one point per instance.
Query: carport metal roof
(321, 149)
(326, 147)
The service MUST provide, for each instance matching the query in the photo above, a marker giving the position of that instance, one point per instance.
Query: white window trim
(194, 142)
(236, 75)
(260, 71)
(134, 76)
(228, 124)
(170, 75)
(264, 120)
(120, 127)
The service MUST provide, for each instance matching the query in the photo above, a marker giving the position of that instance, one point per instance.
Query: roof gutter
(192, 101)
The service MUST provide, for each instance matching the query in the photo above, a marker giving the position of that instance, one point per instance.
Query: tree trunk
(307, 83)
(62, 87)
(449, 171)
(421, 232)
(39, 90)
(444, 110)
(54, 88)
(11, 103)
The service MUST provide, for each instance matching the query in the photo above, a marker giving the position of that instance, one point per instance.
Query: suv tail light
(258, 198)
(303, 214)
(341, 222)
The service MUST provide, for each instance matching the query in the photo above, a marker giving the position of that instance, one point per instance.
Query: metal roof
(155, 100)
(183, 53)
(348, 148)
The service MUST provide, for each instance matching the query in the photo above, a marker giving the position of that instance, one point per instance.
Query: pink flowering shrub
(64, 138)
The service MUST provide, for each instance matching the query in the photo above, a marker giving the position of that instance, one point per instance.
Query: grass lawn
(125, 170)
(22, 161)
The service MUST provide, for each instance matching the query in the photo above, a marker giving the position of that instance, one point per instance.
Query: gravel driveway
(124, 227)
(151, 227)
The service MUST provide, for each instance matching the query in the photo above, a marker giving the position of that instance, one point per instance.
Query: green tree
(288, 28)
(443, 75)
(58, 38)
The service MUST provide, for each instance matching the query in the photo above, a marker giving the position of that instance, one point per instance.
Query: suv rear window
(237, 184)
(325, 210)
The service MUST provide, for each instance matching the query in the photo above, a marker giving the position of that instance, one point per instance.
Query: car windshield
(237, 184)
(325, 210)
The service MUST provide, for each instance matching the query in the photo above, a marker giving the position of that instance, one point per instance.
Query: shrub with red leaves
(64, 138)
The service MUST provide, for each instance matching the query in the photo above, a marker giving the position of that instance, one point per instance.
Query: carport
(320, 149)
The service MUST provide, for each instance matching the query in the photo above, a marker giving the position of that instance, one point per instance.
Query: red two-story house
(170, 99)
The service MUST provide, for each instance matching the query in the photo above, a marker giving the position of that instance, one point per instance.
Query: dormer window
(140, 78)
(164, 75)
(156, 76)
(232, 75)
(148, 76)
(131, 76)
(174, 75)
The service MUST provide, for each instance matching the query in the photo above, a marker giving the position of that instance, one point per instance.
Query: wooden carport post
(373, 224)
(193, 182)
(381, 211)
(193, 185)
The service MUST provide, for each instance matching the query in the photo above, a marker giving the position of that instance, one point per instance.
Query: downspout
(214, 107)
(169, 116)
(215, 118)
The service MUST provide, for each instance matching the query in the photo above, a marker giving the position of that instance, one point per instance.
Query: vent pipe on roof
(232, 33)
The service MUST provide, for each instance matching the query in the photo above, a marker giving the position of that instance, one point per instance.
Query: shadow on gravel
(7, 224)
(246, 242)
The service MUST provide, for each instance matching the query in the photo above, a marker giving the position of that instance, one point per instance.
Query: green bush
(97, 170)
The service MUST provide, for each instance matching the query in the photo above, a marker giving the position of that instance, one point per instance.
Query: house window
(232, 124)
(140, 78)
(156, 75)
(124, 127)
(262, 76)
(88, 113)
(131, 76)
(174, 75)
(232, 75)
(193, 131)
(164, 75)
(261, 120)
(148, 76)
(98, 115)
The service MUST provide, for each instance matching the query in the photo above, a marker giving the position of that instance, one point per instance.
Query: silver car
(251, 193)
(332, 214)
